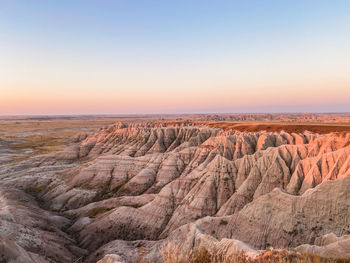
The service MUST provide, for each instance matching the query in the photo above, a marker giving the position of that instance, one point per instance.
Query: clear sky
(181, 56)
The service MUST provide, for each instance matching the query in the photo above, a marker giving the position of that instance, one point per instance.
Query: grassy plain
(33, 137)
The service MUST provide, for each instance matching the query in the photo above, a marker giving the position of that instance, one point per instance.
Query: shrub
(172, 254)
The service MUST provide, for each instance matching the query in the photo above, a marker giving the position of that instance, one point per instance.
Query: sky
(181, 56)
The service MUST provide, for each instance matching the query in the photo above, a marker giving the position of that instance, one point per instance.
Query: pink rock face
(145, 184)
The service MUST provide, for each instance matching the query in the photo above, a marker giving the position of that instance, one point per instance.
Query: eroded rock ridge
(144, 184)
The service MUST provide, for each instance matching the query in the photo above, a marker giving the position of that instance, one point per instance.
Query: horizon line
(167, 114)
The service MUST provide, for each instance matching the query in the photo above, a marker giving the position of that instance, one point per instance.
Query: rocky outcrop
(30, 234)
(330, 246)
(280, 219)
(145, 184)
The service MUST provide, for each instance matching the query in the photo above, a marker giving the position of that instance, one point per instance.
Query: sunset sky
(183, 56)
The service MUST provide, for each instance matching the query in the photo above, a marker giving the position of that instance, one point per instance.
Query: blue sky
(174, 56)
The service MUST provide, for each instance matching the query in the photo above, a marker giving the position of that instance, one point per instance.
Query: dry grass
(172, 254)
(45, 136)
(16, 126)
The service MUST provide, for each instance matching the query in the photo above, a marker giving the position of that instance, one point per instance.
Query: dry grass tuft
(171, 254)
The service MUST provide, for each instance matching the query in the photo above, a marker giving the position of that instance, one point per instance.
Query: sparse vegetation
(172, 254)
(44, 136)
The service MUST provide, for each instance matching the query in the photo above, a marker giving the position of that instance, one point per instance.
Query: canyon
(123, 192)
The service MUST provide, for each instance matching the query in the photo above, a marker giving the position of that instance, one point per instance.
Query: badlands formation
(124, 192)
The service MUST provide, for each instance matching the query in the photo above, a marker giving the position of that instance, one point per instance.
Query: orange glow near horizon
(164, 62)
(220, 99)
